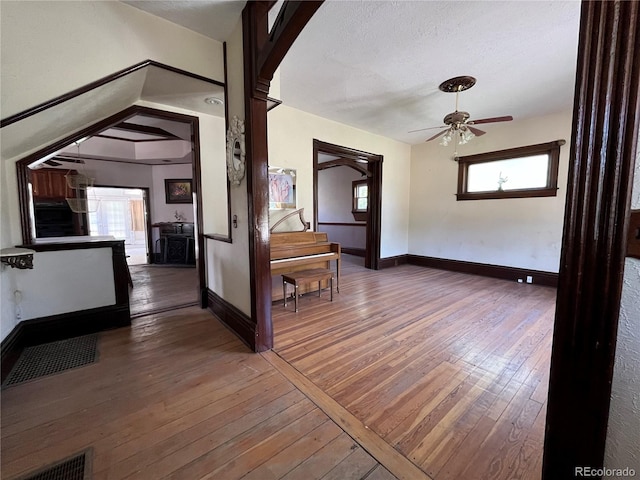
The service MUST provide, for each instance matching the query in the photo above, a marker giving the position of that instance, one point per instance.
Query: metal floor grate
(74, 468)
(54, 357)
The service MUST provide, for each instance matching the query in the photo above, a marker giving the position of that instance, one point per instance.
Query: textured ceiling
(377, 65)
(213, 18)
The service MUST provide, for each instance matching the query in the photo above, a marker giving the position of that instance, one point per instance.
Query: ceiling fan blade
(429, 128)
(436, 136)
(52, 163)
(506, 118)
(476, 131)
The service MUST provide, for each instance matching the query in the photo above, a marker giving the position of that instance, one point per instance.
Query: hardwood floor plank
(400, 466)
(290, 457)
(176, 392)
(355, 467)
(432, 362)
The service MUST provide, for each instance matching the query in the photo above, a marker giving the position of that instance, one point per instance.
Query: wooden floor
(157, 288)
(177, 396)
(451, 370)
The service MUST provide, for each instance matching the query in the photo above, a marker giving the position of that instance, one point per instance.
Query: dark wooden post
(606, 120)
(263, 52)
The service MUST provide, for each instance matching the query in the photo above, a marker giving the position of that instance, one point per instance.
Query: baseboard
(388, 262)
(234, 319)
(548, 279)
(37, 331)
(358, 252)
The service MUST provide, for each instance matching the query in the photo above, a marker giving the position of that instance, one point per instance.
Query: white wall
(228, 263)
(623, 432)
(335, 201)
(117, 173)
(60, 282)
(291, 133)
(521, 232)
(161, 211)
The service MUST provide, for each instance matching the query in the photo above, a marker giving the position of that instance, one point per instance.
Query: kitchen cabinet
(50, 183)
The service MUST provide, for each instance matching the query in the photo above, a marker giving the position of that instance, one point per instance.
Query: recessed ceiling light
(213, 101)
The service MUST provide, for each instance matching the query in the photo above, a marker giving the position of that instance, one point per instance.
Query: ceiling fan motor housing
(456, 118)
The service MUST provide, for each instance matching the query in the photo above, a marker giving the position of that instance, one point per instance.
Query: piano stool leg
(284, 292)
(295, 302)
(331, 288)
(319, 287)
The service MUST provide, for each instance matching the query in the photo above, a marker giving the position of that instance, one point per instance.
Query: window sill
(359, 216)
(541, 192)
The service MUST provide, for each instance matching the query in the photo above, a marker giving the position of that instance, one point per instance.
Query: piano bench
(305, 277)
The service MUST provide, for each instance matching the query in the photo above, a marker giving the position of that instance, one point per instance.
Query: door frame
(353, 158)
(22, 171)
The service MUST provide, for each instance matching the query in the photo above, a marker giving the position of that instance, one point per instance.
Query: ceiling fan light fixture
(214, 101)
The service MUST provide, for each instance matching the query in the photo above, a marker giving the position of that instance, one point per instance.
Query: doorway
(364, 184)
(122, 213)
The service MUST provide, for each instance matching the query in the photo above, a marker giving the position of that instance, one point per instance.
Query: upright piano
(294, 251)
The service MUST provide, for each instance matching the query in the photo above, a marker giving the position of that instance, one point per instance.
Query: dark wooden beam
(343, 162)
(606, 120)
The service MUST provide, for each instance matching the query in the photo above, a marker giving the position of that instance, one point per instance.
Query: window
(530, 171)
(360, 200)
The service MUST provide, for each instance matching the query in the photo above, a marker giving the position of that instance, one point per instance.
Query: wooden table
(304, 277)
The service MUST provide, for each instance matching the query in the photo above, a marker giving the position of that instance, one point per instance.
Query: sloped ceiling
(150, 83)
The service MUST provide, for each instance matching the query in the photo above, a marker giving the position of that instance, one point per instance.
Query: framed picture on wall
(282, 190)
(178, 190)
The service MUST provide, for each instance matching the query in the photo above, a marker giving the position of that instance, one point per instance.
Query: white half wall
(60, 282)
(291, 133)
(520, 232)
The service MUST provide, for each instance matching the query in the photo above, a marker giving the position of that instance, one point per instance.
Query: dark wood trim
(548, 279)
(22, 169)
(98, 83)
(358, 166)
(147, 130)
(61, 246)
(550, 190)
(254, 26)
(272, 46)
(358, 252)
(10, 350)
(343, 224)
(356, 158)
(272, 103)
(22, 165)
(633, 240)
(197, 189)
(111, 137)
(388, 262)
(234, 319)
(59, 327)
(228, 238)
(606, 120)
(172, 161)
(218, 237)
(528, 193)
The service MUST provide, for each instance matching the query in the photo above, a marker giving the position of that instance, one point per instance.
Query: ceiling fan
(458, 125)
(55, 162)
